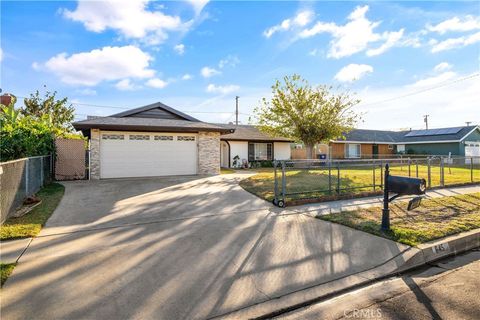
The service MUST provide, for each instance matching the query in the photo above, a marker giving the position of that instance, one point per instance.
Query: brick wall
(95, 154)
(208, 153)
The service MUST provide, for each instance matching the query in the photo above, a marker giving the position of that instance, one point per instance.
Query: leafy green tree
(305, 113)
(61, 112)
(8, 113)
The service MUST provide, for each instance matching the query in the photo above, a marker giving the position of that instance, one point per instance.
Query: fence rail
(22, 178)
(296, 180)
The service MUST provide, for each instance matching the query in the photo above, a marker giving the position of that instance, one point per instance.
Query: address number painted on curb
(442, 247)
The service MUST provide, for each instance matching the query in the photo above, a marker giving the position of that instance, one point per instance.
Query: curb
(411, 258)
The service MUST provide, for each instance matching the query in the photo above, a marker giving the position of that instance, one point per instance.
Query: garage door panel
(144, 158)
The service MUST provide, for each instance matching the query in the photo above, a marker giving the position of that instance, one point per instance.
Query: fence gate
(70, 162)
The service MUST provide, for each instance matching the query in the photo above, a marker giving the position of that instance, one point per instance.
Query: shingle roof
(379, 136)
(148, 124)
(249, 133)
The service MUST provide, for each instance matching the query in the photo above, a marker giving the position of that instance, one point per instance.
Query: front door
(375, 151)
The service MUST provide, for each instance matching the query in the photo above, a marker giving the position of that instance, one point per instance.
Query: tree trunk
(310, 153)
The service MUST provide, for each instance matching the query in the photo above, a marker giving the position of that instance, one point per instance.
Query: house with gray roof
(157, 140)
(455, 141)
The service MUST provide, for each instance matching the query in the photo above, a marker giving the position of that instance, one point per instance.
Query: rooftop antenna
(468, 123)
(236, 110)
(425, 119)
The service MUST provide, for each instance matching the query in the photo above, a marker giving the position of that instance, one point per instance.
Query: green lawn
(30, 224)
(302, 183)
(435, 218)
(5, 271)
(226, 171)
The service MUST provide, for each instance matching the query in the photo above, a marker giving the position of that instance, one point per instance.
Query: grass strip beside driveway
(435, 218)
(5, 271)
(30, 224)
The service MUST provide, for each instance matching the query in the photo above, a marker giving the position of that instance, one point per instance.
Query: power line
(423, 90)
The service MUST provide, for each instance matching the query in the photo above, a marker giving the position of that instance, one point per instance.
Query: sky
(402, 59)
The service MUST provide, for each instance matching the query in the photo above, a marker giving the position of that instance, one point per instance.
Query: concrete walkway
(177, 248)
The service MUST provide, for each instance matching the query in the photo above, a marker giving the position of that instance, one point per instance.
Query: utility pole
(236, 110)
(425, 119)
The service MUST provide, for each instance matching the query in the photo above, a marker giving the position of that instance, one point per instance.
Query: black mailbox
(406, 186)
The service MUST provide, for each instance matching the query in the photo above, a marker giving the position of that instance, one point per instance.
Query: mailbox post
(401, 186)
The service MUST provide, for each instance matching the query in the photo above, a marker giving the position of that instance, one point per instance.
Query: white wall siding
(281, 150)
(239, 148)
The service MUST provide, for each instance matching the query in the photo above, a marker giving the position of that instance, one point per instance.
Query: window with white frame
(259, 151)
(352, 150)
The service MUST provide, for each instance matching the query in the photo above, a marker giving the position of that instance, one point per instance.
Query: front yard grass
(435, 218)
(30, 224)
(5, 271)
(226, 171)
(304, 183)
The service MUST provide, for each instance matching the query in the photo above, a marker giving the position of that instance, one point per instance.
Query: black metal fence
(22, 178)
(322, 180)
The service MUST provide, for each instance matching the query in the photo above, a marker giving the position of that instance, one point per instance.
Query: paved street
(177, 248)
(446, 290)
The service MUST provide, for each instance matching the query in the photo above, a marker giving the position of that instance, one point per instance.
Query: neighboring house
(250, 145)
(360, 143)
(157, 140)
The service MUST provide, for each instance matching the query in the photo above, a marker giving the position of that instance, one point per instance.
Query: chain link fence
(22, 178)
(302, 181)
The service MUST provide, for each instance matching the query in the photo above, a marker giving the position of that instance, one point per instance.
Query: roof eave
(126, 127)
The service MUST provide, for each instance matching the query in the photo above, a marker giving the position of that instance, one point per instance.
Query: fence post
(409, 170)
(374, 175)
(381, 174)
(429, 175)
(338, 178)
(275, 185)
(442, 174)
(284, 183)
(471, 169)
(416, 167)
(329, 177)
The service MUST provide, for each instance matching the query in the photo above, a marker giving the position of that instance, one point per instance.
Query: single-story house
(249, 144)
(157, 140)
(361, 143)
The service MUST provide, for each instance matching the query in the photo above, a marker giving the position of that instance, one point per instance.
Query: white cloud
(87, 92)
(455, 24)
(125, 85)
(443, 66)
(392, 38)
(198, 5)
(222, 89)
(132, 19)
(1, 54)
(300, 20)
(208, 72)
(105, 64)
(230, 61)
(353, 72)
(156, 83)
(435, 80)
(450, 105)
(454, 43)
(180, 49)
(187, 76)
(355, 36)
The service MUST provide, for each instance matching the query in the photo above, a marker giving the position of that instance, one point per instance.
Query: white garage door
(472, 149)
(134, 154)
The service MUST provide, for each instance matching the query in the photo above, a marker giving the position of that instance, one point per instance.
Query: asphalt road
(448, 289)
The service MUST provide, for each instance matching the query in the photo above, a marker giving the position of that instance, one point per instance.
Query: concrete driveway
(176, 248)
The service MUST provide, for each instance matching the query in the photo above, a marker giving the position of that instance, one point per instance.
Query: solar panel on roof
(433, 132)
